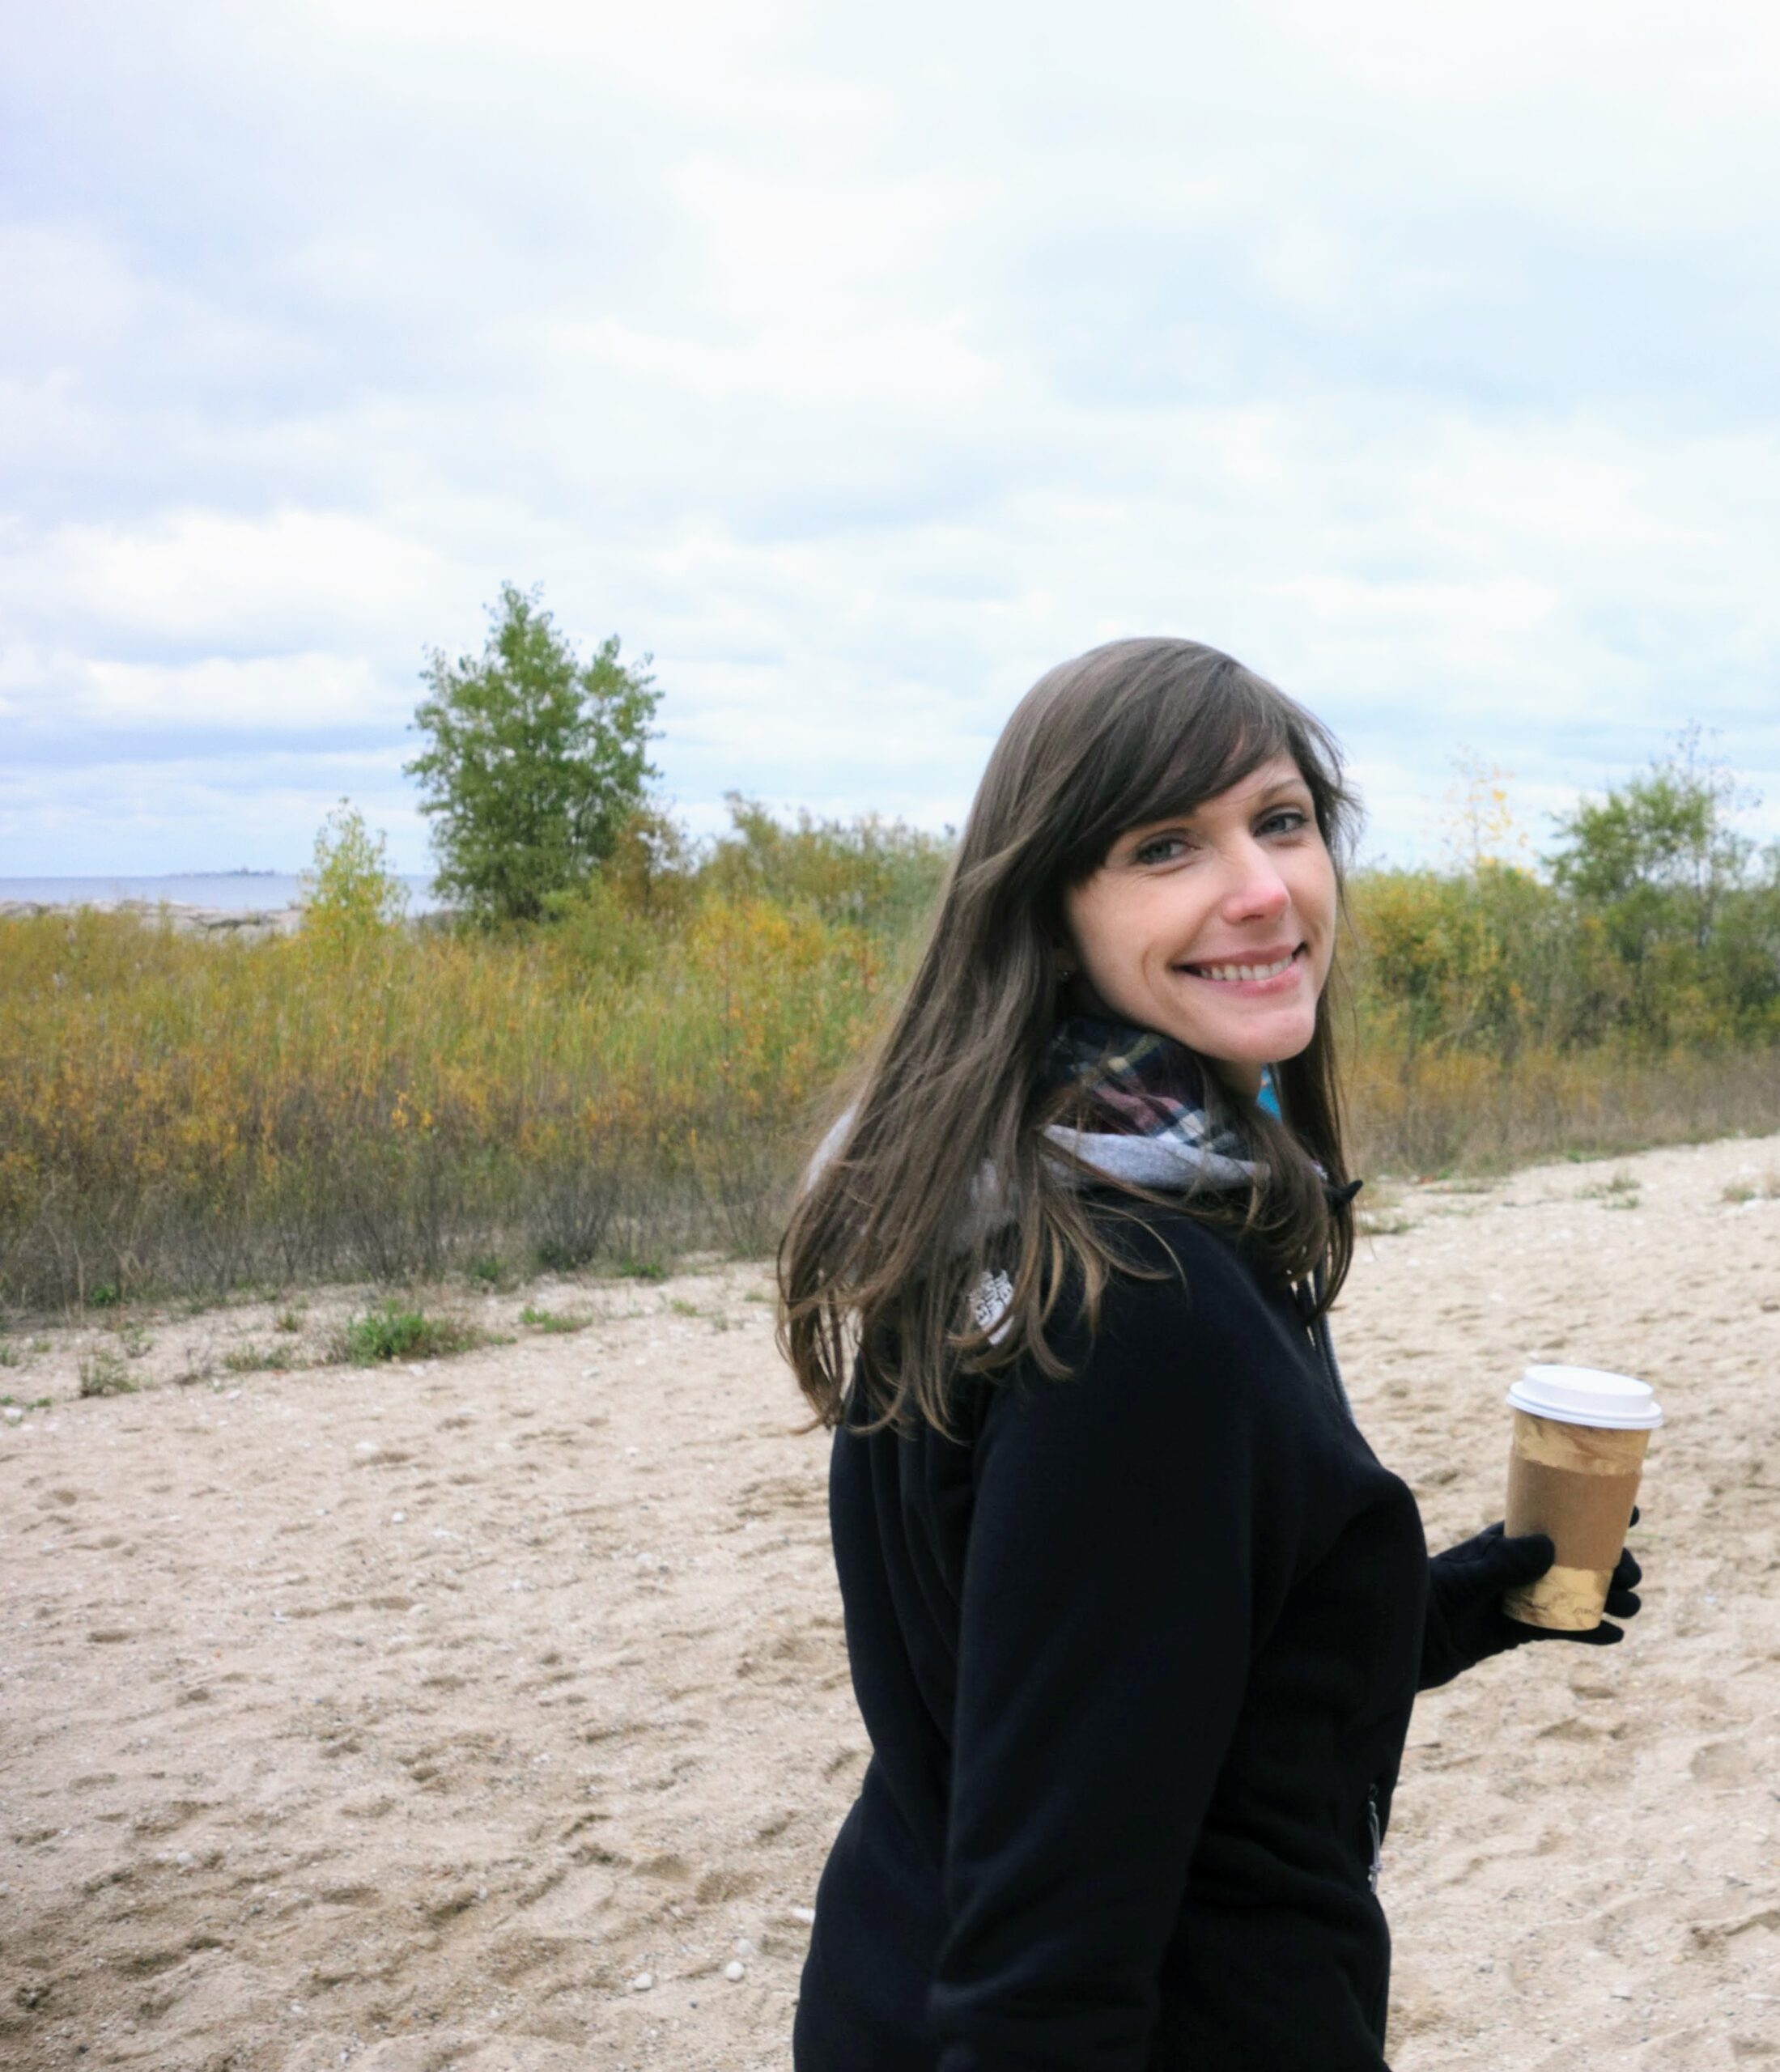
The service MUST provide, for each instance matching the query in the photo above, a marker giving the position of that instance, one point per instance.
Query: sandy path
(401, 1718)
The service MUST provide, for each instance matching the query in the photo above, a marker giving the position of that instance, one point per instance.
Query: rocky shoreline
(250, 923)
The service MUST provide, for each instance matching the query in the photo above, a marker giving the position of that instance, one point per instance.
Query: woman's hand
(1466, 1623)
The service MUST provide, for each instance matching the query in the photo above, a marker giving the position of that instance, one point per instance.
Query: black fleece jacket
(1137, 1653)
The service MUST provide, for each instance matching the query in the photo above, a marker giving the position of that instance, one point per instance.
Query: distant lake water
(229, 889)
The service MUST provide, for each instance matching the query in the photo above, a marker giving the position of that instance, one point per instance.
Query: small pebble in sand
(644, 1982)
(398, 1517)
(14, 1413)
(735, 1972)
(744, 1947)
(806, 1915)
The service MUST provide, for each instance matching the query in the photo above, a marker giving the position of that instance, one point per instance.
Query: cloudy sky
(861, 363)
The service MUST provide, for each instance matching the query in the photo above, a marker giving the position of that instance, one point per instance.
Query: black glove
(1466, 1623)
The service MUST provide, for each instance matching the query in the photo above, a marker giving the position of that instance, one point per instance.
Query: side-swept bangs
(1175, 738)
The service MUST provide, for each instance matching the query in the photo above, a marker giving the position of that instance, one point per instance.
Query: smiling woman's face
(1216, 928)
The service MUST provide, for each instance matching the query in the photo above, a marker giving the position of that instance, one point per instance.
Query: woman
(1135, 1617)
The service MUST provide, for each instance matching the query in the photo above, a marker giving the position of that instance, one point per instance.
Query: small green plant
(1621, 1191)
(756, 1295)
(106, 1296)
(289, 1321)
(1767, 1188)
(391, 1332)
(680, 1309)
(11, 1355)
(642, 1270)
(257, 1359)
(350, 894)
(103, 1374)
(489, 1273)
(552, 1320)
(26, 1402)
(555, 1256)
(133, 1341)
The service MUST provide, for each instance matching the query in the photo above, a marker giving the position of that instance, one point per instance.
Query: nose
(1257, 891)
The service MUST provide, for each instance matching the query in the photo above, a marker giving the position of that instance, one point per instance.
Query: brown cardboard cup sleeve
(1574, 1463)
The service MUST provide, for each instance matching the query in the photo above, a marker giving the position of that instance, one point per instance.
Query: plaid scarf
(1148, 1115)
(1135, 1084)
(1163, 1124)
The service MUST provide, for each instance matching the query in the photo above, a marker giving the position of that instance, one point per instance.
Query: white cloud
(209, 575)
(321, 694)
(861, 365)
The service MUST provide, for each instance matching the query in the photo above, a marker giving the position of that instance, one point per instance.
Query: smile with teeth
(1227, 974)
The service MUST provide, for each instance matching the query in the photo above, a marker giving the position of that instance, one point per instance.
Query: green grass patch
(1767, 1188)
(391, 1332)
(553, 1320)
(257, 1359)
(1621, 1191)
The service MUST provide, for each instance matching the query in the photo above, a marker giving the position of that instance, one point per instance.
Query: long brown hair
(892, 1231)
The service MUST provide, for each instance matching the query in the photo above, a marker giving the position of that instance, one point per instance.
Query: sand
(411, 1718)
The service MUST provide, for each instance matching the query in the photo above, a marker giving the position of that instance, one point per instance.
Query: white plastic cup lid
(1587, 1396)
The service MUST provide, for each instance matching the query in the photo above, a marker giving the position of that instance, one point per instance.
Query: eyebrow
(1296, 785)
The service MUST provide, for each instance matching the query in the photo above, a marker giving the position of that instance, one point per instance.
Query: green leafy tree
(537, 761)
(348, 892)
(1659, 848)
(1665, 880)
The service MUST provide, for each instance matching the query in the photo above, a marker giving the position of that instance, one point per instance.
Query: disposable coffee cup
(1573, 1464)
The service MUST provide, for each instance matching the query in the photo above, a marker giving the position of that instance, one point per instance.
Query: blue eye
(1288, 819)
(1160, 849)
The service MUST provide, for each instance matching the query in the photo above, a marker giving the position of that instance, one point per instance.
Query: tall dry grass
(637, 1078)
(1430, 1113)
(182, 1114)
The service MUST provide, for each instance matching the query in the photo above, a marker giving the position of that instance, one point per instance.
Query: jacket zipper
(1378, 1838)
